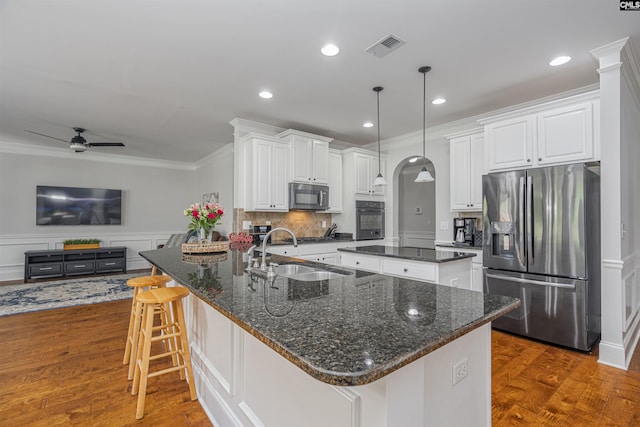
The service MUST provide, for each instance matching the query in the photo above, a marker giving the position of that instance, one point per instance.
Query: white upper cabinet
(466, 169)
(565, 134)
(510, 143)
(309, 156)
(335, 182)
(266, 167)
(558, 132)
(365, 170)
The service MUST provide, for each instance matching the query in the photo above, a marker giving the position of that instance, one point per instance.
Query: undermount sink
(303, 273)
(315, 276)
(291, 269)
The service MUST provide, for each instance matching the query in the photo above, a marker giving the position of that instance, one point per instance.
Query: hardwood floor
(64, 367)
(534, 384)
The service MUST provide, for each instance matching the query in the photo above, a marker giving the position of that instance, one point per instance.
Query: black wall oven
(369, 220)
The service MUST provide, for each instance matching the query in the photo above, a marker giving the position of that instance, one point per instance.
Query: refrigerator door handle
(521, 222)
(530, 220)
(531, 282)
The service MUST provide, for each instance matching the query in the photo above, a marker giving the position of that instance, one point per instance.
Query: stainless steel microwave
(308, 197)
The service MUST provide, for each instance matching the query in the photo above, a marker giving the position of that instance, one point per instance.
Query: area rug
(28, 297)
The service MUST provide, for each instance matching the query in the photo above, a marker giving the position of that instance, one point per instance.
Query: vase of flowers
(204, 218)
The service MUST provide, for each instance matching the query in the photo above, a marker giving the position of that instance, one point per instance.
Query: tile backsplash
(302, 223)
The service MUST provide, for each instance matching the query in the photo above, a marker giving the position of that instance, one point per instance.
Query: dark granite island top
(351, 329)
(407, 252)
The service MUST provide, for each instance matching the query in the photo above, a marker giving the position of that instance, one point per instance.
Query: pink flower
(220, 212)
(195, 213)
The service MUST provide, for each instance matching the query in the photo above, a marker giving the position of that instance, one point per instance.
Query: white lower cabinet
(332, 258)
(411, 270)
(360, 262)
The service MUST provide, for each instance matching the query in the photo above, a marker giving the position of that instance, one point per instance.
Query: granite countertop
(410, 253)
(349, 330)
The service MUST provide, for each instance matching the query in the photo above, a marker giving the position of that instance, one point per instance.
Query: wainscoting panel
(13, 247)
(418, 239)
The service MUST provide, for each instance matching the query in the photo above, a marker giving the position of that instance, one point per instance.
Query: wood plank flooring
(64, 367)
(534, 384)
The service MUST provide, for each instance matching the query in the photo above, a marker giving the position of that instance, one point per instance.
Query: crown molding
(223, 151)
(64, 153)
(243, 126)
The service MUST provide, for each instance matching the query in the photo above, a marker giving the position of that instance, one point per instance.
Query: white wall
(155, 194)
(214, 174)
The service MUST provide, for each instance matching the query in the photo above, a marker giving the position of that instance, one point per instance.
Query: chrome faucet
(263, 265)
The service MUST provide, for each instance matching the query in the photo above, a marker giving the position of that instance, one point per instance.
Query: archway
(415, 204)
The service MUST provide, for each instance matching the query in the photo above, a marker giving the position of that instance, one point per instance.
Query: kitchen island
(350, 349)
(428, 265)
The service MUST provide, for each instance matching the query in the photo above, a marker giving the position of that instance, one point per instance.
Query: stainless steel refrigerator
(541, 243)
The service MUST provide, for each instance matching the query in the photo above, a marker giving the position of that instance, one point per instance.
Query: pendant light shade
(424, 175)
(379, 179)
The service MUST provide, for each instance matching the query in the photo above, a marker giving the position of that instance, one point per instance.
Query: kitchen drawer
(78, 267)
(45, 269)
(360, 262)
(110, 254)
(412, 270)
(110, 264)
(284, 250)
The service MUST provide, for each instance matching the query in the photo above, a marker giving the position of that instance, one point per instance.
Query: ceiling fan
(78, 143)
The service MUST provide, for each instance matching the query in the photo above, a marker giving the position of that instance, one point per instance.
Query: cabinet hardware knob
(357, 262)
(406, 270)
(528, 160)
(539, 159)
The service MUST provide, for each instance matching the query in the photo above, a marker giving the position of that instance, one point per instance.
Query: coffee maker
(463, 231)
(259, 232)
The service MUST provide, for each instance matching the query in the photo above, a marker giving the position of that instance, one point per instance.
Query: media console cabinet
(61, 263)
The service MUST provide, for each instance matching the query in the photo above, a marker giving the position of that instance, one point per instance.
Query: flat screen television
(78, 206)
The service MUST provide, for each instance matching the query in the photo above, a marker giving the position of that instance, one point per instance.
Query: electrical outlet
(444, 225)
(460, 371)
(267, 223)
(246, 225)
(324, 224)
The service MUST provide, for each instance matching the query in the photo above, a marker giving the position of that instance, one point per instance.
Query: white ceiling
(166, 77)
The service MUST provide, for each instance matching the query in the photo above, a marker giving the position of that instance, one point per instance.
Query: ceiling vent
(385, 46)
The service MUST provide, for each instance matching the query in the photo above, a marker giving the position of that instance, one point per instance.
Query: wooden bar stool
(175, 329)
(139, 285)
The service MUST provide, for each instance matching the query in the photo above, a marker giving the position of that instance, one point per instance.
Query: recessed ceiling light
(438, 101)
(559, 60)
(367, 125)
(330, 50)
(265, 94)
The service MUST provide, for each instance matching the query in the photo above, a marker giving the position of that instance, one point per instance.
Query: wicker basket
(205, 247)
(204, 259)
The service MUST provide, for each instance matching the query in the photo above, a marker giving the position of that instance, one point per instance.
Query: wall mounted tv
(78, 206)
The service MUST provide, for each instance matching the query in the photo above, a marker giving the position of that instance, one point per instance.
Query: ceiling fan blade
(105, 144)
(48, 136)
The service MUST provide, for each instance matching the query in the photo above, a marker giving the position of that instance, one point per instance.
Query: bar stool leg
(127, 349)
(184, 343)
(142, 372)
(135, 340)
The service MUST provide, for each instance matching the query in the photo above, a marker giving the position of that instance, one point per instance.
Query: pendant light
(424, 175)
(379, 179)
